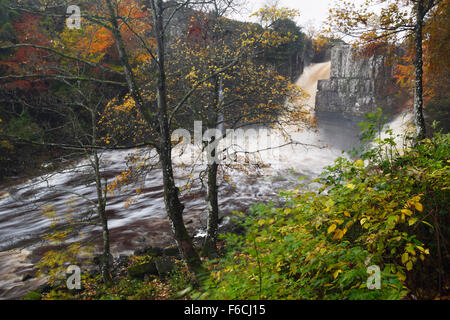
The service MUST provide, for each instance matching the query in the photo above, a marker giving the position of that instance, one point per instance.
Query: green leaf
(412, 221)
(405, 257)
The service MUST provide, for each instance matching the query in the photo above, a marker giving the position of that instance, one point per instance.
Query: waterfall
(309, 79)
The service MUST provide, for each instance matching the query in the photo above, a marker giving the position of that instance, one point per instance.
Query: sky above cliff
(312, 12)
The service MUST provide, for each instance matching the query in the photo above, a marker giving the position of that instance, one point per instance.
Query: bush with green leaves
(388, 209)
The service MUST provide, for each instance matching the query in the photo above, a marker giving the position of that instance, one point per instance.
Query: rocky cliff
(357, 84)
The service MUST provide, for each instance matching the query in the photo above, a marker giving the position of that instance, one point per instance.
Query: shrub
(388, 210)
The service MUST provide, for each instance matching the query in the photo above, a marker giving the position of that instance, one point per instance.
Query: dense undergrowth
(387, 211)
(123, 286)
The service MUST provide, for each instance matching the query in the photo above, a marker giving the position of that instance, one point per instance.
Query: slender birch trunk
(174, 207)
(419, 119)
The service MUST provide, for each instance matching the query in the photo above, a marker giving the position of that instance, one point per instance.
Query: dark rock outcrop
(149, 251)
(139, 271)
(164, 265)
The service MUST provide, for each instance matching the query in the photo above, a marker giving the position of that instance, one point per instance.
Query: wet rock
(357, 84)
(141, 240)
(278, 178)
(4, 195)
(122, 261)
(164, 265)
(229, 226)
(171, 252)
(98, 260)
(45, 288)
(139, 271)
(27, 277)
(149, 251)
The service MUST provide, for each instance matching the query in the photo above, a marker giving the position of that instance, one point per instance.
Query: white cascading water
(402, 126)
(144, 221)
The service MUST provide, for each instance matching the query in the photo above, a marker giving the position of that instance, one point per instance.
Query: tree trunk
(101, 210)
(173, 205)
(101, 203)
(210, 245)
(174, 210)
(419, 119)
(209, 248)
(124, 60)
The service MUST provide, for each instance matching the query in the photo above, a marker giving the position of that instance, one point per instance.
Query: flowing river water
(143, 222)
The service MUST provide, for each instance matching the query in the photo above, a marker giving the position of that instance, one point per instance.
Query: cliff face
(357, 85)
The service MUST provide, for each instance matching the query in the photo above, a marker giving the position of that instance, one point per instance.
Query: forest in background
(28, 105)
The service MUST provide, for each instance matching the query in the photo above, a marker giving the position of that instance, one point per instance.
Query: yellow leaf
(332, 228)
(359, 163)
(338, 234)
(401, 276)
(409, 266)
(418, 206)
(407, 212)
(405, 257)
(336, 273)
(420, 248)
